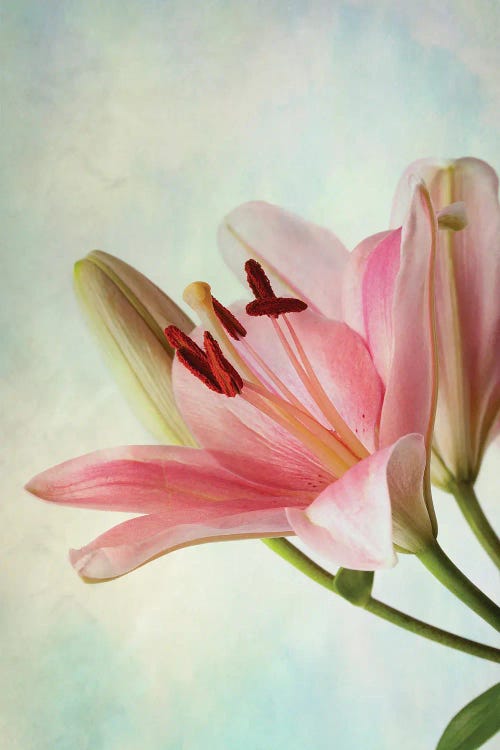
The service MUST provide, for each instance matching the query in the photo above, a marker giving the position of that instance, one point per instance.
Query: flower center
(221, 367)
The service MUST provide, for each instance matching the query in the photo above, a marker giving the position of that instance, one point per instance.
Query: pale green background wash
(134, 127)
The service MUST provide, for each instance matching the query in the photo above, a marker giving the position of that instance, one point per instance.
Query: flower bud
(128, 314)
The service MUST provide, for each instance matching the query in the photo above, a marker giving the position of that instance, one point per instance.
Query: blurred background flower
(135, 127)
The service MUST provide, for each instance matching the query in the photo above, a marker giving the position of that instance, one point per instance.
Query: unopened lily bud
(128, 314)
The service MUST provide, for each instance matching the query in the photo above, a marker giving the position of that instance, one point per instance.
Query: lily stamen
(198, 296)
(308, 421)
(327, 457)
(323, 401)
(258, 281)
(315, 390)
(227, 376)
(337, 449)
(209, 365)
(287, 393)
(267, 303)
(216, 372)
(230, 322)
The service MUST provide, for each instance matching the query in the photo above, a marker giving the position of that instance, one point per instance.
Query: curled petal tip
(453, 217)
(81, 563)
(92, 567)
(37, 487)
(416, 183)
(31, 488)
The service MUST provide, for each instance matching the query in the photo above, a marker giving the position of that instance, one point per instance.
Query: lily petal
(412, 518)
(301, 259)
(134, 542)
(151, 479)
(128, 313)
(352, 282)
(398, 310)
(350, 523)
(379, 284)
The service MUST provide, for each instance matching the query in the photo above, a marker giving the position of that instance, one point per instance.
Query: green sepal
(354, 585)
(474, 724)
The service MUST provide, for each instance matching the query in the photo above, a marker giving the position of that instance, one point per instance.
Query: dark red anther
(258, 281)
(227, 377)
(275, 306)
(180, 340)
(200, 367)
(209, 366)
(228, 320)
(266, 302)
(192, 357)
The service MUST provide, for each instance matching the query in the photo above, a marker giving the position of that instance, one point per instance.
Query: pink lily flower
(467, 313)
(303, 428)
(466, 283)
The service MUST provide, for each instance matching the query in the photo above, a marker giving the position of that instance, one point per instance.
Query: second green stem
(299, 560)
(468, 503)
(442, 568)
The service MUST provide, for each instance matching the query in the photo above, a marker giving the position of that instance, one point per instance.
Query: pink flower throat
(219, 367)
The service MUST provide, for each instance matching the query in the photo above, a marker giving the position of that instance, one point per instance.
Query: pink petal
(465, 412)
(352, 282)
(250, 439)
(134, 542)
(302, 259)
(150, 479)
(412, 519)
(350, 522)
(379, 283)
(399, 322)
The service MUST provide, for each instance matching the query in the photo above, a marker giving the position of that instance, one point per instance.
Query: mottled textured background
(134, 127)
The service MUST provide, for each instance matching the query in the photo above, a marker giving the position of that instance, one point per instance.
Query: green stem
(440, 565)
(468, 503)
(299, 560)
